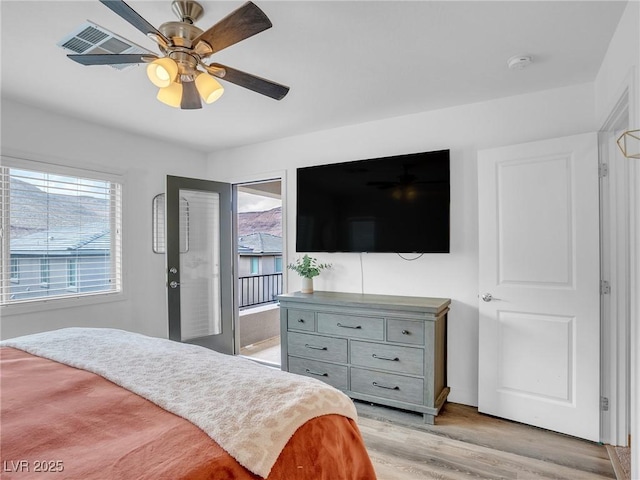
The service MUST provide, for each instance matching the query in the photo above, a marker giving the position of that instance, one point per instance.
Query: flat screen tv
(391, 204)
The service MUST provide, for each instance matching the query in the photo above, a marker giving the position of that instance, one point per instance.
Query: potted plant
(307, 267)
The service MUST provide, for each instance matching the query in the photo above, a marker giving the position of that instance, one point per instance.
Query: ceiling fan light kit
(162, 72)
(181, 74)
(209, 88)
(171, 95)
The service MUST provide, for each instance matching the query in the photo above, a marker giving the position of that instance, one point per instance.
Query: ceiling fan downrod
(187, 11)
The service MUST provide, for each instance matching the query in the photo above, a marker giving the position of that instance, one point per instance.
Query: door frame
(235, 182)
(618, 194)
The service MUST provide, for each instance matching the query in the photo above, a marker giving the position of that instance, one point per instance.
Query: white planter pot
(307, 285)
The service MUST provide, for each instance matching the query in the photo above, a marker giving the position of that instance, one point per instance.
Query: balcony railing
(259, 289)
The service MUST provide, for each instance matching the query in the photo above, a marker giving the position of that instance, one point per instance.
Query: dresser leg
(429, 419)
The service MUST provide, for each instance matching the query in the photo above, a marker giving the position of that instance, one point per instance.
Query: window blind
(61, 235)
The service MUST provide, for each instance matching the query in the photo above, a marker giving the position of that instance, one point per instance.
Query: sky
(248, 202)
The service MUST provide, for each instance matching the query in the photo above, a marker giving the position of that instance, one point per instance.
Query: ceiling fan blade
(190, 96)
(112, 59)
(252, 82)
(134, 18)
(240, 24)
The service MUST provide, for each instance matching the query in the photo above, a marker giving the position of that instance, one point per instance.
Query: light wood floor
(465, 444)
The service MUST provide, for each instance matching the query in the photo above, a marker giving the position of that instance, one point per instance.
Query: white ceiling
(346, 62)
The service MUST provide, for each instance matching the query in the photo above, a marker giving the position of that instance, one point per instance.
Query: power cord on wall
(409, 259)
(362, 267)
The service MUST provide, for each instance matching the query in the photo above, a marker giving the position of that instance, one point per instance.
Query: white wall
(35, 134)
(620, 70)
(464, 130)
(620, 65)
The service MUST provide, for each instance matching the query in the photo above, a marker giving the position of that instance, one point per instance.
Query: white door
(539, 332)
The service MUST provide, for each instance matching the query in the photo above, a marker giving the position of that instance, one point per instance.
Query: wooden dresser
(382, 349)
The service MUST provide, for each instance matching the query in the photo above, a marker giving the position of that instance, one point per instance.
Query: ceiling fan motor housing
(182, 49)
(181, 34)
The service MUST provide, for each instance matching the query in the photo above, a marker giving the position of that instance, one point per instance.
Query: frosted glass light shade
(208, 88)
(162, 72)
(171, 95)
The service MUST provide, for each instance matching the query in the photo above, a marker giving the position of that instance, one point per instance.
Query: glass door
(199, 263)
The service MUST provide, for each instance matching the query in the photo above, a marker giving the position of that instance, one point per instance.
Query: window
(255, 265)
(278, 265)
(15, 270)
(64, 226)
(45, 273)
(72, 273)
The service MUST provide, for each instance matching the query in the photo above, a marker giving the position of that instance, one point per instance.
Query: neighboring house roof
(244, 250)
(259, 243)
(93, 239)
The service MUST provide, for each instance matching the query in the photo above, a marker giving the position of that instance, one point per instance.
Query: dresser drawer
(301, 320)
(405, 331)
(394, 358)
(334, 375)
(387, 385)
(317, 346)
(351, 326)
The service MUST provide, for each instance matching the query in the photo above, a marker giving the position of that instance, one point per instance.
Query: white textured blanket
(250, 410)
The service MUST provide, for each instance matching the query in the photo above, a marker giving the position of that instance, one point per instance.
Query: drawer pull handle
(316, 373)
(349, 326)
(301, 320)
(376, 384)
(314, 347)
(406, 332)
(391, 359)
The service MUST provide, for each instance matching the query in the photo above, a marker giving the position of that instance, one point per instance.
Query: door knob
(487, 297)
(174, 284)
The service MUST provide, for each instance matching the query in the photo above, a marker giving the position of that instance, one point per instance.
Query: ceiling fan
(405, 179)
(180, 71)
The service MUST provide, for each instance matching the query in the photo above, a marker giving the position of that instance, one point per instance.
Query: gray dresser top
(387, 302)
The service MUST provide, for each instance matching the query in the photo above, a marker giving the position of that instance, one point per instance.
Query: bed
(108, 404)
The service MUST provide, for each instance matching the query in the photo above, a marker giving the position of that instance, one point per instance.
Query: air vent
(92, 34)
(91, 38)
